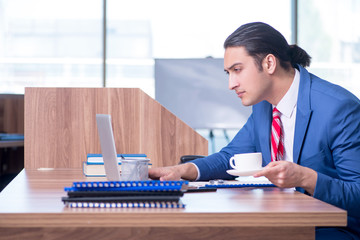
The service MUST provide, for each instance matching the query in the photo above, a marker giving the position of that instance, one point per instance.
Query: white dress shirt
(287, 108)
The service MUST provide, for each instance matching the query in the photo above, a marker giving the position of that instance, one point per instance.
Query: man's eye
(237, 69)
(226, 72)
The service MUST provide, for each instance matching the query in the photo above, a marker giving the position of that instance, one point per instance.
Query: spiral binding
(153, 185)
(239, 185)
(125, 204)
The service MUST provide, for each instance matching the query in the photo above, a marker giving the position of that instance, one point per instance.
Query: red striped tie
(277, 138)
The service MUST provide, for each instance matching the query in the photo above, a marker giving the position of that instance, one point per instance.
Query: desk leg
(156, 233)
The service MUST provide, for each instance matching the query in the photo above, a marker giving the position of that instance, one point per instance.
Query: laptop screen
(108, 148)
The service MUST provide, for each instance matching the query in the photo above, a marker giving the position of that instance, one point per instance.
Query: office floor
(6, 179)
(11, 163)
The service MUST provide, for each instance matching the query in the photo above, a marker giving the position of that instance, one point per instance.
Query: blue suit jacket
(327, 139)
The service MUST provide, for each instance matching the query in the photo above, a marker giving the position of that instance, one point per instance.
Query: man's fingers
(268, 169)
(261, 173)
(155, 173)
(164, 174)
(169, 177)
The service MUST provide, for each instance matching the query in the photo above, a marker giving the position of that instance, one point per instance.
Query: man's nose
(232, 82)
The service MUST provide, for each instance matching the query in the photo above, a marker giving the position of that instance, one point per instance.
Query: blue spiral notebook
(151, 185)
(240, 182)
(237, 185)
(140, 204)
(125, 194)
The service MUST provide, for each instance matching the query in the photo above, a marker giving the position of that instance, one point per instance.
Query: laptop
(108, 148)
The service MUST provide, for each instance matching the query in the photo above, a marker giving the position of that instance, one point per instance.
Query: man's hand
(183, 171)
(288, 174)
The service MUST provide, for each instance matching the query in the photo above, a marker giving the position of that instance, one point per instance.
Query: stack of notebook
(125, 194)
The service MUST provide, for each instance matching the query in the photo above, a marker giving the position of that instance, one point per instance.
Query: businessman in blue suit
(320, 125)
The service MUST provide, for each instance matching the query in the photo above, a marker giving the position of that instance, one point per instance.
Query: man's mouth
(240, 93)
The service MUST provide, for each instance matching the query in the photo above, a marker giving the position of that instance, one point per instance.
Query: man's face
(245, 78)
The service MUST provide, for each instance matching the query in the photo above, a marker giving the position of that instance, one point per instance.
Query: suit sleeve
(344, 141)
(215, 165)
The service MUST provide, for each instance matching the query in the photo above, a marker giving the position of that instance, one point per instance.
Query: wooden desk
(30, 208)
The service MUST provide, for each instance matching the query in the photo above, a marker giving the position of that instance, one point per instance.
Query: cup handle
(232, 162)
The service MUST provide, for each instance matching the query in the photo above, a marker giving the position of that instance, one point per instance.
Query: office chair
(187, 158)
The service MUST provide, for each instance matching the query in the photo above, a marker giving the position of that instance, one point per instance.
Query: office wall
(196, 90)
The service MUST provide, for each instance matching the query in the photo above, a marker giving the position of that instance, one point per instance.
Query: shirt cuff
(198, 171)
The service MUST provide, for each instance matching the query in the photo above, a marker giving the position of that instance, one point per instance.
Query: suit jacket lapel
(265, 131)
(303, 113)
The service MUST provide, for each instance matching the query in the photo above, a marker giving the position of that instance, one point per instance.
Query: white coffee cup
(246, 161)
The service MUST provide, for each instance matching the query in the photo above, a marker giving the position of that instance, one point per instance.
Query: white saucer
(236, 172)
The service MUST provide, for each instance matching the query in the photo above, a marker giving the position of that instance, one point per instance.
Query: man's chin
(245, 103)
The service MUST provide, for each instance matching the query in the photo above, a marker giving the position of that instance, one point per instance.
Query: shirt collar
(288, 103)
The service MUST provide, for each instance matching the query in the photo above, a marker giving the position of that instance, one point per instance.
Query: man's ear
(269, 63)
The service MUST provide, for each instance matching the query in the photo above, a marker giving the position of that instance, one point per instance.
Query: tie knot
(276, 112)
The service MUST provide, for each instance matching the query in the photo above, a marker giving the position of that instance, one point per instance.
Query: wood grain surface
(160, 233)
(31, 205)
(60, 127)
(35, 192)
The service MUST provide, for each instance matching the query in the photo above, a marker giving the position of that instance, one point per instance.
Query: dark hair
(260, 39)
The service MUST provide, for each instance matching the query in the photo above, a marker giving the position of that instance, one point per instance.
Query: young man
(313, 143)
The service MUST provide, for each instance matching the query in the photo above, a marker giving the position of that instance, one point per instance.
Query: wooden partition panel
(60, 127)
